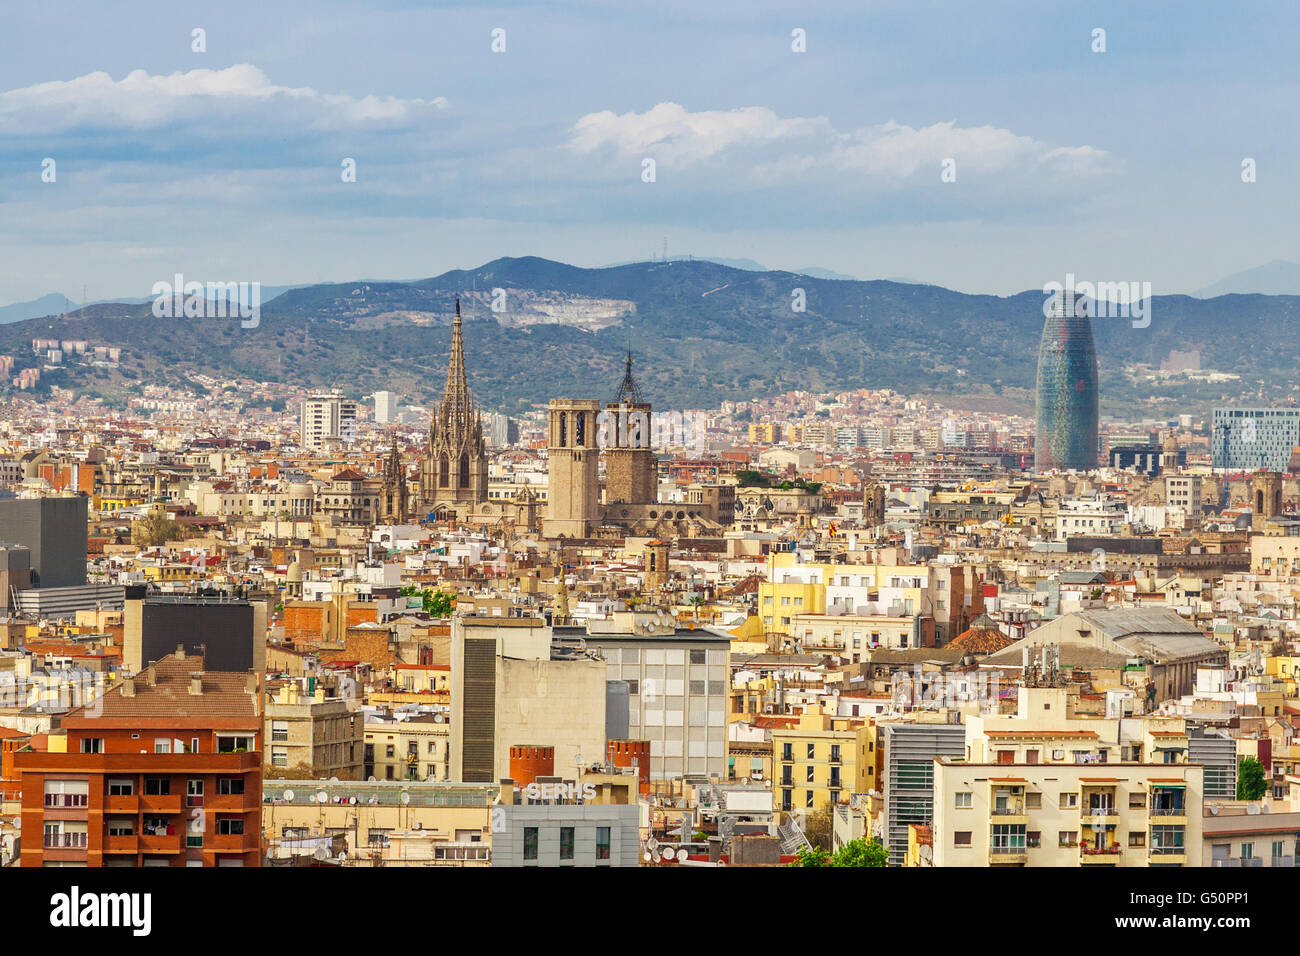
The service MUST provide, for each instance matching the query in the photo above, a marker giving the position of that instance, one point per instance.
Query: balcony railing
(1168, 811)
(59, 840)
(1010, 810)
(1088, 849)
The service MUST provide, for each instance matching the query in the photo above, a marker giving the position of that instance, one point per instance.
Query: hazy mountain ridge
(701, 332)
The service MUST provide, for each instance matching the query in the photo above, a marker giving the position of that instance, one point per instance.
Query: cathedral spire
(456, 401)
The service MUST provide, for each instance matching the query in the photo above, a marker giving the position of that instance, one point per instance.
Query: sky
(985, 147)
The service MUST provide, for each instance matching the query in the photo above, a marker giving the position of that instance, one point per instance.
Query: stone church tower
(573, 457)
(631, 469)
(394, 493)
(454, 469)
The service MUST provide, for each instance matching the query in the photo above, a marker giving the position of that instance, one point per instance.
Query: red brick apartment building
(165, 769)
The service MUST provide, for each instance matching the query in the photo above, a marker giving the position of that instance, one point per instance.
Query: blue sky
(1122, 165)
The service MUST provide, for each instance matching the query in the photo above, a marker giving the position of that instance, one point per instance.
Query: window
(1034, 801)
(67, 793)
(121, 827)
(279, 730)
(697, 657)
(964, 800)
(194, 745)
(835, 753)
(812, 751)
(1168, 839)
(1033, 839)
(1137, 838)
(602, 843)
(234, 744)
(162, 745)
(566, 843)
(92, 745)
(389, 751)
(961, 838)
(279, 757)
(1008, 838)
(121, 787)
(809, 774)
(808, 798)
(1247, 851)
(787, 751)
(1277, 849)
(157, 786)
(1135, 800)
(530, 843)
(1066, 838)
(194, 793)
(230, 826)
(228, 785)
(194, 840)
(1069, 800)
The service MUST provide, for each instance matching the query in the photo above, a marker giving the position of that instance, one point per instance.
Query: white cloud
(143, 101)
(675, 134)
(801, 146)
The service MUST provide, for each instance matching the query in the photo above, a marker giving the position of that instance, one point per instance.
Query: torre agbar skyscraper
(1066, 407)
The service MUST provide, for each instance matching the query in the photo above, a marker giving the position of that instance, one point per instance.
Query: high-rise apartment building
(328, 417)
(1248, 438)
(385, 407)
(1067, 400)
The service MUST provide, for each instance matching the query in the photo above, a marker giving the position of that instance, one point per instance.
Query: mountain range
(700, 331)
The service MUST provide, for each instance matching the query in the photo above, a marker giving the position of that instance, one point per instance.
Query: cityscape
(589, 552)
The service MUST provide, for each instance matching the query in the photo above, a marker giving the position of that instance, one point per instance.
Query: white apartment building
(328, 418)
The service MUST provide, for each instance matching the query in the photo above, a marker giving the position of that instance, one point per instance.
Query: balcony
(1107, 855)
(228, 842)
(118, 803)
(1169, 815)
(1008, 856)
(161, 842)
(1012, 812)
(231, 803)
(128, 843)
(160, 803)
(1167, 856)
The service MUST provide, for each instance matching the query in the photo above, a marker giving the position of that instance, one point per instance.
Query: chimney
(128, 686)
(149, 674)
(196, 683)
(180, 652)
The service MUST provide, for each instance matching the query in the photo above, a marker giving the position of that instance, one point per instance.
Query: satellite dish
(371, 779)
(322, 796)
(646, 856)
(320, 853)
(654, 855)
(669, 853)
(343, 856)
(333, 780)
(1214, 809)
(352, 801)
(406, 797)
(652, 843)
(288, 795)
(416, 825)
(926, 852)
(437, 718)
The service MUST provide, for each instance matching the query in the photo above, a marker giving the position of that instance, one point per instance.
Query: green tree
(854, 853)
(861, 853)
(155, 529)
(811, 856)
(439, 603)
(1250, 779)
